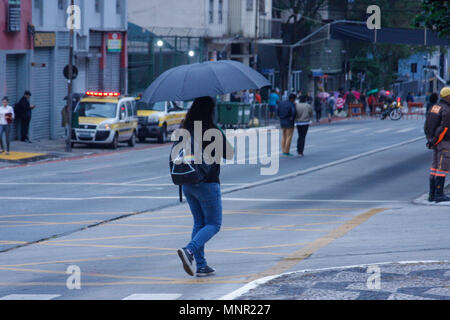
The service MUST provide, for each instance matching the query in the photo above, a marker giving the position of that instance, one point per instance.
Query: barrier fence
(240, 115)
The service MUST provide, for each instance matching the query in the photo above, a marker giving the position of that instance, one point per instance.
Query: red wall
(15, 40)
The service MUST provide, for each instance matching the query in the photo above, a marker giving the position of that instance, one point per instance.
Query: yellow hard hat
(445, 92)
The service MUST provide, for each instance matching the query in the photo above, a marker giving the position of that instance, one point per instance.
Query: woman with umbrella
(204, 199)
(201, 81)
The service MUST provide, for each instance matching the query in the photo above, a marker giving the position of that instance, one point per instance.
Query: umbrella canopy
(323, 95)
(372, 91)
(356, 94)
(196, 80)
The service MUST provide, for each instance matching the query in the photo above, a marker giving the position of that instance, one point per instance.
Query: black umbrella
(211, 78)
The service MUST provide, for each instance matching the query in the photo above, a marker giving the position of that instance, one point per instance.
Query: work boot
(439, 195)
(432, 188)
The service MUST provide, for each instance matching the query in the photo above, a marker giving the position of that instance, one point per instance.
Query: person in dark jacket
(286, 112)
(318, 108)
(204, 199)
(433, 99)
(23, 115)
(437, 131)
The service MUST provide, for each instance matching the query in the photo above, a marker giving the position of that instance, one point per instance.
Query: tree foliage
(435, 15)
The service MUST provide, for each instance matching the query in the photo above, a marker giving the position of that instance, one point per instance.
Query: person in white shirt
(6, 119)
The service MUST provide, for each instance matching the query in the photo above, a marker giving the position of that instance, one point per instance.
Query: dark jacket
(22, 109)
(437, 124)
(287, 113)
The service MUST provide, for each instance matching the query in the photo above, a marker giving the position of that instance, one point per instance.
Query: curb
(254, 284)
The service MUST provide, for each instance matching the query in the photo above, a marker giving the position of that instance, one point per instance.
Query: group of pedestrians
(294, 113)
(21, 112)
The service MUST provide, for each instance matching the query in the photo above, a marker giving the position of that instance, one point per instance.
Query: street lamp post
(69, 89)
(160, 44)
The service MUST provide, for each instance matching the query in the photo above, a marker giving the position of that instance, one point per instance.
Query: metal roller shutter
(94, 70)
(41, 88)
(112, 72)
(11, 85)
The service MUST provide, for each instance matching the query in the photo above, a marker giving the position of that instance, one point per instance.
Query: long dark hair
(201, 110)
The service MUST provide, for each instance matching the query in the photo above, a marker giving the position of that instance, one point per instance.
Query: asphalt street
(116, 217)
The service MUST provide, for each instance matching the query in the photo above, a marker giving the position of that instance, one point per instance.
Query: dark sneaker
(205, 272)
(188, 260)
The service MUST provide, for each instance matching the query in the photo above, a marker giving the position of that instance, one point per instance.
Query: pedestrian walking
(432, 100)
(6, 119)
(287, 113)
(318, 108)
(23, 115)
(330, 106)
(304, 114)
(340, 103)
(258, 97)
(409, 98)
(274, 98)
(437, 126)
(372, 100)
(204, 199)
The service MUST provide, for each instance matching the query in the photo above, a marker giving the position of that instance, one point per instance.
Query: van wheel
(115, 142)
(132, 141)
(163, 136)
(142, 139)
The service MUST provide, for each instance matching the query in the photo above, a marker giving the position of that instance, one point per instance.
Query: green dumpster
(246, 114)
(230, 114)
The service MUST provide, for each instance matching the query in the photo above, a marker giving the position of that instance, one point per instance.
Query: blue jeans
(205, 201)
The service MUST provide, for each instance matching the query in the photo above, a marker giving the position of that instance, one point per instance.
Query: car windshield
(158, 106)
(97, 110)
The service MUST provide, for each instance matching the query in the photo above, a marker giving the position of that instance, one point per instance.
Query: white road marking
(384, 130)
(153, 296)
(244, 186)
(359, 130)
(406, 130)
(311, 200)
(148, 179)
(30, 297)
(338, 130)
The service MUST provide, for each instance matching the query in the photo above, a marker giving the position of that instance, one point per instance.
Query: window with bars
(220, 11)
(211, 11)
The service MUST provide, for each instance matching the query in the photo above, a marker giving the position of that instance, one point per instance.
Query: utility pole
(255, 46)
(69, 89)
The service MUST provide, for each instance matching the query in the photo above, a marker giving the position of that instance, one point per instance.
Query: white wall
(178, 17)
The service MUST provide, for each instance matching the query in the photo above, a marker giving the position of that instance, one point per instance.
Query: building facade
(229, 27)
(100, 55)
(15, 49)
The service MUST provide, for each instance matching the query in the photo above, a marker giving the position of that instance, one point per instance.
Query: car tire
(163, 136)
(142, 139)
(132, 141)
(72, 145)
(114, 145)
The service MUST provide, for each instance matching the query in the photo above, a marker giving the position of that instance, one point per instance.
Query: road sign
(74, 72)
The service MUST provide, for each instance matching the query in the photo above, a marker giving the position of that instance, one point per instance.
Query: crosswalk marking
(338, 130)
(153, 296)
(30, 297)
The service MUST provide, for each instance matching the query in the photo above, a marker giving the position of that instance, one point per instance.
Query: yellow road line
(86, 260)
(305, 252)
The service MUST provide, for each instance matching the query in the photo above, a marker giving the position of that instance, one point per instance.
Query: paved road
(348, 180)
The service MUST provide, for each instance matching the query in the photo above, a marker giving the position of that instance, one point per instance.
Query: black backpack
(183, 168)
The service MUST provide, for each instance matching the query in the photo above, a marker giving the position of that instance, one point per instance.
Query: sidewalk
(45, 150)
(396, 281)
